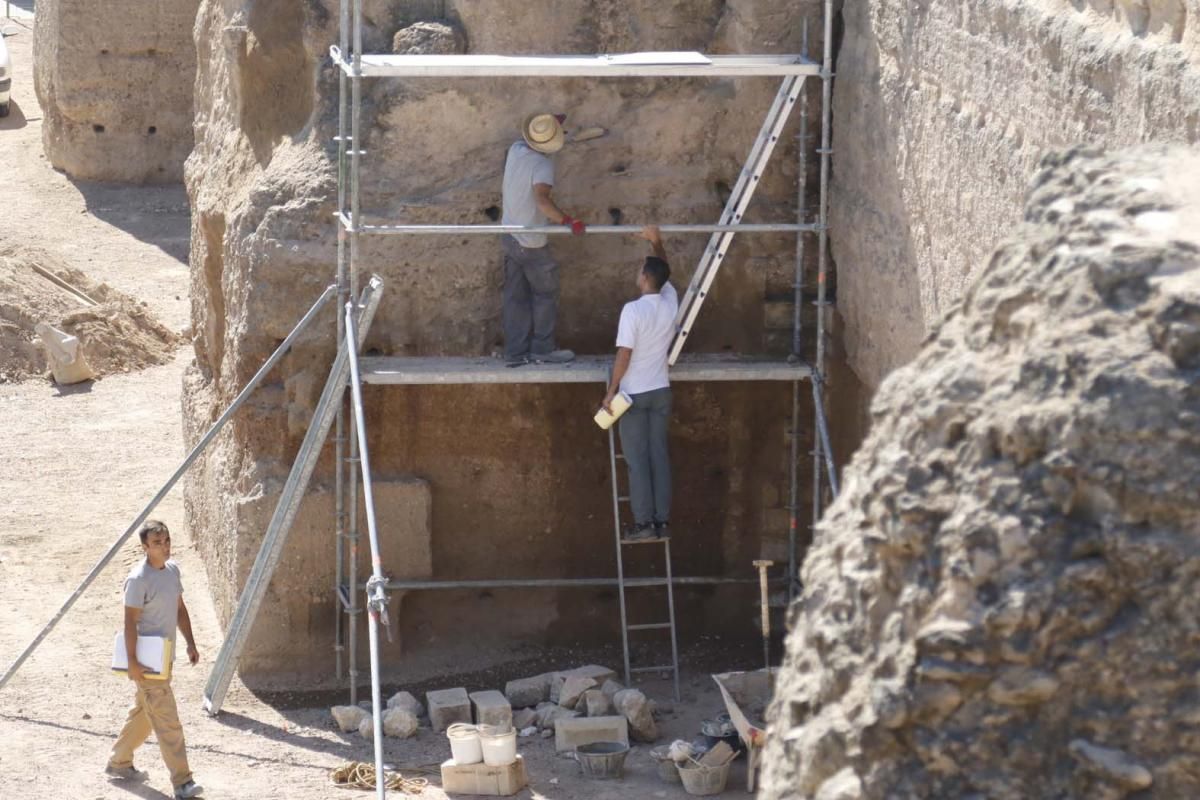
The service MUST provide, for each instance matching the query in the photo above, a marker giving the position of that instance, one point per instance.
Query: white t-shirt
(647, 328)
(524, 167)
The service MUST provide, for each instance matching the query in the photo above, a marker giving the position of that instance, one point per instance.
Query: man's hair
(152, 526)
(657, 270)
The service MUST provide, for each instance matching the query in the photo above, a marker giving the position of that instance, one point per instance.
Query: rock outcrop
(1002, 603)
(942, 109)
(516, 475)
(115, 82)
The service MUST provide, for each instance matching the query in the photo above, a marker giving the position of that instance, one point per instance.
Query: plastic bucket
(499, 746)
(464, 743)
(602, 760)
(666, 767)
(703, 781)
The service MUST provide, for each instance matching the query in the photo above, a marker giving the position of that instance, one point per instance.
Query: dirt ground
(76, 465)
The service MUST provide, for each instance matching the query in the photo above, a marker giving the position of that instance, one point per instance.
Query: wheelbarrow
(746, 695)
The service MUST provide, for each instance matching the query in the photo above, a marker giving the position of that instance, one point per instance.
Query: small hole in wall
(98, 128)
(492, 213)
(152, 130)
(151, 52)
(103, 52)
(616, 215)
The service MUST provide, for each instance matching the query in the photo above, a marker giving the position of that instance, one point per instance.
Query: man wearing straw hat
(530, 295)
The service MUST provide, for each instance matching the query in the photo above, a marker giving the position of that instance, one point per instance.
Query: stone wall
(114, 81)
(517, 476)
(941, 110)
(1001, 604)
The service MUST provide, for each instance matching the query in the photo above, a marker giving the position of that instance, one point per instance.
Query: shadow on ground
(156, 215)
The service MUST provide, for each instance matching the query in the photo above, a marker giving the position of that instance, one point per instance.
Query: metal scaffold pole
(797, 338)
(343, 287)
(820, 442)
(356, 148)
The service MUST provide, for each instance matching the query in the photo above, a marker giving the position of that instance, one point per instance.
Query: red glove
(576, 225)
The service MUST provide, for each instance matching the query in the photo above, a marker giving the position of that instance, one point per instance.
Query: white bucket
(464, 744)
(620, 404)
(499, 746)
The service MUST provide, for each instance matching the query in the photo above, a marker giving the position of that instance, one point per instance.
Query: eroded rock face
(516, 475)
(114, 81)
(942, 109)
(1002, 603)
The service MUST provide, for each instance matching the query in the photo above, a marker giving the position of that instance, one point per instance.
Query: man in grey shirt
(530, 294)
(154, 607)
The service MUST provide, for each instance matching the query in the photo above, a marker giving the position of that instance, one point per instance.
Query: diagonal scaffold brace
(285, 513)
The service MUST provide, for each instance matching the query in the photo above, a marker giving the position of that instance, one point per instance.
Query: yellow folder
(153, 652)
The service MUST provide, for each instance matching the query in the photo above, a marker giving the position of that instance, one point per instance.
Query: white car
(5, 77)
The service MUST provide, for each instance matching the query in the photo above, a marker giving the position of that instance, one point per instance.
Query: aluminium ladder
(623, 582)
(735, 208)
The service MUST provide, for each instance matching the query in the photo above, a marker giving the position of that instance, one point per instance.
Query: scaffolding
(354, 66)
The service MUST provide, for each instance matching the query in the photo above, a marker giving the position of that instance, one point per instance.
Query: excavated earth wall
(1002, 603)
(941, 111)
(479, 482)
(115, 82)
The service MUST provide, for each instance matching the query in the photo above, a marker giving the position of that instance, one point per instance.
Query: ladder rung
(622, 498)
(639, 582)
(667, 668)
(656, 540)
(650, 626)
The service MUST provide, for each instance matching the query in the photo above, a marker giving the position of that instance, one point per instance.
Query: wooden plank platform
(417, 371)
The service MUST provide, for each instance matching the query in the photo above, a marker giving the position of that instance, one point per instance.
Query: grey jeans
(530, 299)
(643, 431)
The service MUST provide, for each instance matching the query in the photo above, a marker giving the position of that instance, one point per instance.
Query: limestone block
(570, 733)
(597, 703)
(528, 692)
(610, 688)
(407, 702)
(348, 718)
(399, 722)
(547, 718)
(447, 706)
(523, 718)
(572, 690)
(480, 779)
(491, 708)
(636, 708)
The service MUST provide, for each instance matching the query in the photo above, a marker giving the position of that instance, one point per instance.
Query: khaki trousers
(154, 710)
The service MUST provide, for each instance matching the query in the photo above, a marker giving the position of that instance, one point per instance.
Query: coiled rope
(361, 775)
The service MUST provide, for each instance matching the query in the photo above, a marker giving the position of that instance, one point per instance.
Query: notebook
(153, 653)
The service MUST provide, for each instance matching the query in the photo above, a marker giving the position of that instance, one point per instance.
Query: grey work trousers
(643, 431)
(530, 299)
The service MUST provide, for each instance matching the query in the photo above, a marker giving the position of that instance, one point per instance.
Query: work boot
(516, 361)
(662, 530)
(125, 773)
(639, 532)
(555, 357)
(188, 790)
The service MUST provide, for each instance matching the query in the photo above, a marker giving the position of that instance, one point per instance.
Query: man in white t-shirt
(530, 294)
(644, 337)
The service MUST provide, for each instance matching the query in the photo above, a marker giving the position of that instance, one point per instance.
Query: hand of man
(606, 404)
(193, 654)
(576, 225)
(137, 672)
(650, 233)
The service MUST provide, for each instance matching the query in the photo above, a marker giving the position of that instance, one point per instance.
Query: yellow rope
(360, 775)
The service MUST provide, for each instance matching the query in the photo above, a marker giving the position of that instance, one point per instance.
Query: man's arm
(620, 367)
(652, 235)
(546, 204)
(185, 625)
(136, 670)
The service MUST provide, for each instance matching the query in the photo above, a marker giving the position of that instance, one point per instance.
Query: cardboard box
(484, 780)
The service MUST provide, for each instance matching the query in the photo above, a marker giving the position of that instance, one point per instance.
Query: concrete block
(572, 690)
(573, 732)
(485, 780)
(528, 692)
(447, 706)
(491, 708)
(523, 718)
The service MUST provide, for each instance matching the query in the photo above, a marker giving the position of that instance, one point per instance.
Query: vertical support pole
(343, 288)
(612, 458)
(797, 340)
(356, 147)
(818, 373)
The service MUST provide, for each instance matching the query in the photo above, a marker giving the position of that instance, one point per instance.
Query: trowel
(586, 134)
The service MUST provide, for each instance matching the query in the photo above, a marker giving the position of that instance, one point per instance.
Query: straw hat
(543, 133)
